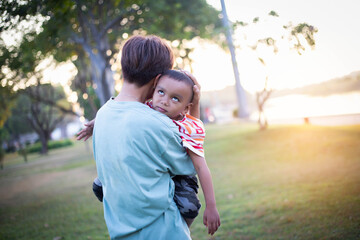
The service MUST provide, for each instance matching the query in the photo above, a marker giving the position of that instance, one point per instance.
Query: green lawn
(289, 182)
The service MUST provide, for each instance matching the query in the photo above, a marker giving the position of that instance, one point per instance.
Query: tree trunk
(243, 111)
(44, 140)
(101, 72)
(102, 76)
(2, 154)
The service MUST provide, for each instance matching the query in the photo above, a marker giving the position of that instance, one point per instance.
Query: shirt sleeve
(179, 161)
(192, 133)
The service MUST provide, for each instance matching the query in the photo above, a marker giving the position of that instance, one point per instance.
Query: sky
(337, 51)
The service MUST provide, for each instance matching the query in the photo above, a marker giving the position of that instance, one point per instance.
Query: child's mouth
(161, 109)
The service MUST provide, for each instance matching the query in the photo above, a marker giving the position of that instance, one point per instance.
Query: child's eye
(161, 92)
(175, 99)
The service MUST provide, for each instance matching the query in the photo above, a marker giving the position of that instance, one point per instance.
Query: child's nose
(165, 101)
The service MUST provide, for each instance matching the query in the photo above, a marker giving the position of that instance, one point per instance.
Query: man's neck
(132, 93)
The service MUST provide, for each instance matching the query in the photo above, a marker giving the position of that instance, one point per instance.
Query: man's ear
(156, 80)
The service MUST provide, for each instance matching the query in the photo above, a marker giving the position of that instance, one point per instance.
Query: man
(137, 150)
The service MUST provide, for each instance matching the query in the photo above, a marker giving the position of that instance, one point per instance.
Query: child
(173, 97)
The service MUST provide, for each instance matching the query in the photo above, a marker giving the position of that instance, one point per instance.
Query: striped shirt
(192, 133)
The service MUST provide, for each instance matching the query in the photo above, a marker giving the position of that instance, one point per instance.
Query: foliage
(82, 85)
(36, 147)
(298, 36)
(3, 136)
(17, 123)
(38, 109)
(7, 99)
(95, 30)
(44, 117)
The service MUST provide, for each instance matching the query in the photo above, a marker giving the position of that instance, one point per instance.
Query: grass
(289, 182)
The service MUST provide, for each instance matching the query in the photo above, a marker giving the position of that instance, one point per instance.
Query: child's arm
(211, 217)
(87, 131)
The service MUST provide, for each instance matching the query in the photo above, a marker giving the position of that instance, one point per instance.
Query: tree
(242, 111)
(298, 36)
(83, 87)
(261, 98)
(15, 126)
(36, 107)
(97, 28)
(7, 101)
(44, 118)
(3, 135)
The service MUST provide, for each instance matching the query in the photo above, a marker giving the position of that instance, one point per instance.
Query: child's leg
(185, 197)
(97, 189)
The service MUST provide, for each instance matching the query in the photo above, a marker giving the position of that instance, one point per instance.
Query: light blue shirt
(137, 150)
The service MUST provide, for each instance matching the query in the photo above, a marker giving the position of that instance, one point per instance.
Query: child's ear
(187, 109)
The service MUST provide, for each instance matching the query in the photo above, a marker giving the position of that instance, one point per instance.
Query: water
(341, 109)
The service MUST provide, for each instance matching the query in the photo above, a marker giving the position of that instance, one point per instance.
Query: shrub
(36, 147)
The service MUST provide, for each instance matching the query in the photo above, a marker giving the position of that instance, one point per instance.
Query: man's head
(144, 57)
(173, 94)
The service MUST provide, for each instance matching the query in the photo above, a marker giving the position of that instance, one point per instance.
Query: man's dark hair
(181, 77)
(144, 57)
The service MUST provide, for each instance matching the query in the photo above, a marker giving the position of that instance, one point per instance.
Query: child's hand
(87, 131)
(211, 219)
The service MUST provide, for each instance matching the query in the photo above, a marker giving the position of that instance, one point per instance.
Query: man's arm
(176, 157)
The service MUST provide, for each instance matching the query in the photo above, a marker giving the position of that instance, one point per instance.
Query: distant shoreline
(328, 120)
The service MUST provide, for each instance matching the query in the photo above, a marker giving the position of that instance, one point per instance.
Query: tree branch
(52, 103)
(113, 22)
(110, 24)
(87, 48)
(81, 22)
(94, 31)
(77, 39)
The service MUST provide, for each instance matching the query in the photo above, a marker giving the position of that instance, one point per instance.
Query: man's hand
(87, 131)
(211, 219)
(195, 108)
(197, 95)
(197, 86)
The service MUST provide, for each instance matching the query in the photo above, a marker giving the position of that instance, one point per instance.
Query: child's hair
(144, 57)
(181, 77)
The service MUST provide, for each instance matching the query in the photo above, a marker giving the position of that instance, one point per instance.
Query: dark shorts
(185, 197)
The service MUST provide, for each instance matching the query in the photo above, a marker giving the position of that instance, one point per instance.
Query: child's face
(172, 97)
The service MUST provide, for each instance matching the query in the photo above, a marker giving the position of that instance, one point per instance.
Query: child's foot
(189, 221)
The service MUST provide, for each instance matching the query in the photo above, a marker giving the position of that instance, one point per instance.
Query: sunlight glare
(299, 106)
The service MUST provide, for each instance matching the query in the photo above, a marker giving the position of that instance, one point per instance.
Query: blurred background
(269, 70)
